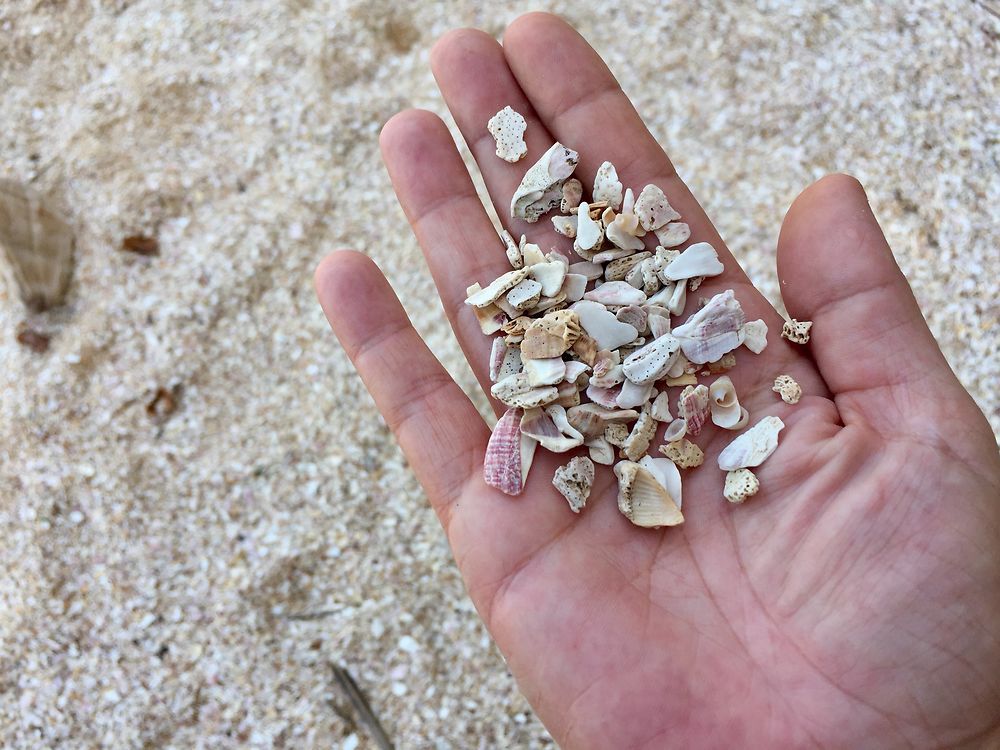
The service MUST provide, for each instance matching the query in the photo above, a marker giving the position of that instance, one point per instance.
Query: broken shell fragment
(602, 326)
(507, 128)
(796, 331)
(753, 446)
(508, 455)
(660, 410)
(551, 335)
(585, 348)
(38, 243)
(740, 485)
(512, 250)
(525, 295)
(574, 286)
(634, 315)
(638, 439)
(516, 390)
(712, 331)
(587, 269)
(651, 362)
(497, 354)
(549, 275)
(616, 293)
(600, 451)
(592, 419)
(565, 225)
(618, 234)
(755, 335)
(551, 429)
(684, 453)
(541, 187)
(692, 405)
(673, 234)
(666, 473)
(618, 269)
(574, 480)
(632, 394)
(499, 286)
(653, 209)
(549, 371)
(616, 434)
(572, 194)
(699, 259)
(490, 317)
(675, 430)
(724, 404)
(607, 186)
(605, 396)
(786, 387)
(574, 370)
(642, 499)
(589, 234)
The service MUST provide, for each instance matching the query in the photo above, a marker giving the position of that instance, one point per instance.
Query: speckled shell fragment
(574, 480)
(740, 484)
(507, 128)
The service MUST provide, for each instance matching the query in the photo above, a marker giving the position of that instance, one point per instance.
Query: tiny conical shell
(651, 362)
(699, 259)
(666, 473)
(653, 209)
(676, 430)
(551, 429)
(753, 446)
(38, 243)
(673, 234)
(642, 499)
(607, 186)
(740, 485)
(507, 128)
(755, 335)
(574, 480)
(541, 188)
(712, 331)
(724, 403)
(500, 285)
(616, 293)
(692, 405)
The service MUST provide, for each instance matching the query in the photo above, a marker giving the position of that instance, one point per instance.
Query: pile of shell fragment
(585, 353)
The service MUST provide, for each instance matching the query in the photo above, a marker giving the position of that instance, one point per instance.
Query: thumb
(869, 339)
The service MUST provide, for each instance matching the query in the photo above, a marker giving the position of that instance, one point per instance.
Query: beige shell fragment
(499, 286)
(516, 390)
(607, 186)
(491, 318)
(653, 209)
(666, 473)
(642, 499)
(550, 275)
(796, 331)
(600, 451)
(673, 234)
(504, 360)
(684, 453)
(589, 234)
(740, 485)
(618, 269)
(752, 447)
(550, 336)
(660, 410)
(541, 187)
(574, 480)
(786, 387)
(616, 434)
(592, 419)
(38, 243)
(565, 225)
(572, 194)
(638, 439)
(507, 128)
(512, 250)
(551, 429)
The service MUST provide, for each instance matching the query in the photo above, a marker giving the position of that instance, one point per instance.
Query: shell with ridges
(642, 499)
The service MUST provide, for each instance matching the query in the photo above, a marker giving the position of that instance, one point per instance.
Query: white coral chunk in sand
(507, 128)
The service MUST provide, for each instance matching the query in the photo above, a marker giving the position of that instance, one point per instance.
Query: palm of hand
(850, 602)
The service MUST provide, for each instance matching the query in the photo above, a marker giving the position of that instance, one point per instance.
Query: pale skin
(854, 602)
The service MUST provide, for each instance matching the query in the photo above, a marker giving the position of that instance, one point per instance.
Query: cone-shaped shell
(692, 405)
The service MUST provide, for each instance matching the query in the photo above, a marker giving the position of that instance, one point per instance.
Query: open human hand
(854, 602)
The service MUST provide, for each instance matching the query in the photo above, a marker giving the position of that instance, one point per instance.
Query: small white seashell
(507, 128)
(512, 250)
(692, 405)
(619, 236)
(601, 325)
(787, 388)
(616, 434)
(572, 194)
(673, 234)
(616, 293)
(600, 450)
(585, 268)
(548, 371)
(592, 419)
(684, 453)
(589, 234)
(753, 446)
(632, 394)
(550, 275)
(755, 335)
(550, 428)
(796, 331)
(724, 404)
(605, 396)
(508, 455)
(712, 331)
(699, 259)
(546, 304)
(639, 438)
(666, 473)
(607, 186)
(614, 376)
(619, 268)
(491, 318)
(651, 362)
(675, 430)
(565, 225)
(628, 202)
(38, 243)
(499, 286)
(541, 187)
(515, 390)
(653, 209)
(642, 499)
(574, 370)
(679, 367)
(661, 408)
(526, 294)
(574, 481)
(740, 485)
